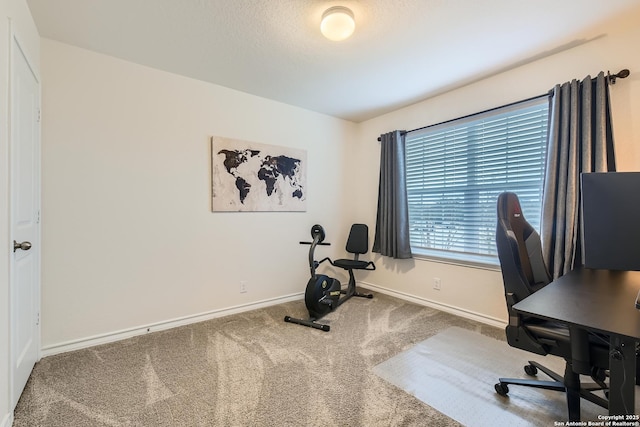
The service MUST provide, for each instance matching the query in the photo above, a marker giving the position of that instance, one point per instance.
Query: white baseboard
(467, 314)
(168, 324)
(7, 420)
(160, 326)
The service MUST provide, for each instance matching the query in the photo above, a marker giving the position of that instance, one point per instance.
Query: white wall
(129, 238)
(14, 17)
(480, 291)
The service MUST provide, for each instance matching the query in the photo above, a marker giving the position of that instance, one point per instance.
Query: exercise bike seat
(357, 244)
(353, 264)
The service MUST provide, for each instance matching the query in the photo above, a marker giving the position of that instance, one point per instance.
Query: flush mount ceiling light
(337, 23)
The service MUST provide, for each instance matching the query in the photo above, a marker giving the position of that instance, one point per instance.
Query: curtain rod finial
(622, 74)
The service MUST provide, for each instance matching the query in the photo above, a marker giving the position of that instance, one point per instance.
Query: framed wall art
(249, 176)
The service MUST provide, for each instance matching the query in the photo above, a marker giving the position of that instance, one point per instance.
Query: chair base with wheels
(574, 393)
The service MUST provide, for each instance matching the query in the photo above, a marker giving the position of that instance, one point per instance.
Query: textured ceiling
(403, 51)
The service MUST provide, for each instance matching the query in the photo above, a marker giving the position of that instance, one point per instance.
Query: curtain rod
(622, 74)
(471, 115)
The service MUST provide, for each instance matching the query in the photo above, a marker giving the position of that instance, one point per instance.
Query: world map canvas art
(249, 176)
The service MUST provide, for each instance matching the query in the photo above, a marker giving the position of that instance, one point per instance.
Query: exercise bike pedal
(326, 301)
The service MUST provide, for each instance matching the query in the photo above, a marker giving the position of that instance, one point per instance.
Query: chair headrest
(510, 212)
(513, 226)
(509, 207)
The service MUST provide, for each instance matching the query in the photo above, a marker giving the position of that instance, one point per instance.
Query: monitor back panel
(611, 220)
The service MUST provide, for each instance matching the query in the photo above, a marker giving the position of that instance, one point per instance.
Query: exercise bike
(323, 293)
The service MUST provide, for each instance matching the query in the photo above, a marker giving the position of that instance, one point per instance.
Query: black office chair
(524, 272)
(357, 244)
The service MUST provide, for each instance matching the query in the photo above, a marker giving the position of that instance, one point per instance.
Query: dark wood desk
(600, 301)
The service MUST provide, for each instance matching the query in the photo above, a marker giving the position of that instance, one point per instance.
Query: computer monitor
(611, 220)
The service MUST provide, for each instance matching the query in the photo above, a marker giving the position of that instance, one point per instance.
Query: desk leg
(622, 368)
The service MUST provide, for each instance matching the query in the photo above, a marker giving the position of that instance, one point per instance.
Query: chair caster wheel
(531, 370)
(502, 389)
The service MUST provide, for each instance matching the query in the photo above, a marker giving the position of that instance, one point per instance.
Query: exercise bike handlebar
(317, 232)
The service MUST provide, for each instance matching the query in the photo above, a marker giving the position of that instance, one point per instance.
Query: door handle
(25, 246)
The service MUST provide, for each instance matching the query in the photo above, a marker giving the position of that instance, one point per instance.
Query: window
(455, 171)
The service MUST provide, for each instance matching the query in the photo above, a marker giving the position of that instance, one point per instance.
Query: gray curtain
(580, 140)
(392, 222)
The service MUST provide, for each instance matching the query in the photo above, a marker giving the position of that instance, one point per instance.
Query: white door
(25, 220)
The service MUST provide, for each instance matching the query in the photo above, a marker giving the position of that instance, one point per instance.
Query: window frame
(489, 261)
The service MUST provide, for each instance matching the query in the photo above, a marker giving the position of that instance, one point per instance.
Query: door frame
(17, 48)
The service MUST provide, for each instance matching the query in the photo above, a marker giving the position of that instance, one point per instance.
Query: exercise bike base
(310, 323)
(358, 294)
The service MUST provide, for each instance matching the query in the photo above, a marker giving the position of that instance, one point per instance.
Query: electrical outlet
(437, 283)
(243, 286)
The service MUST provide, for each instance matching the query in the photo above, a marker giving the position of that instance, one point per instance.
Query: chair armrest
(514, 318)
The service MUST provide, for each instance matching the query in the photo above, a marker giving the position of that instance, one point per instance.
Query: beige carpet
(249, 369)
(252, 369)
(455, 371)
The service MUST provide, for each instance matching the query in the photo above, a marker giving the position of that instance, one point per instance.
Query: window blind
(456, 170)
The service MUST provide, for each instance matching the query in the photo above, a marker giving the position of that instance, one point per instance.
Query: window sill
(460, 259)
